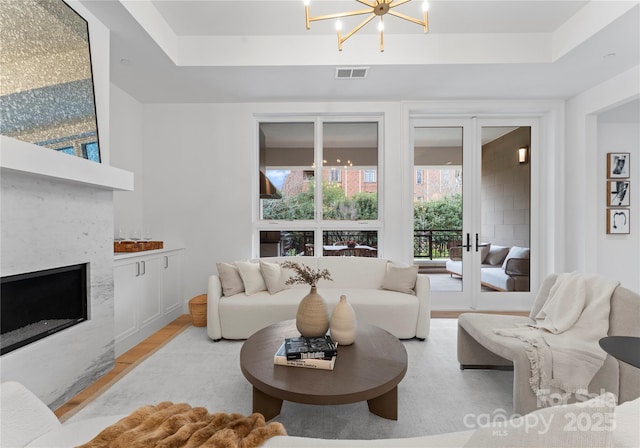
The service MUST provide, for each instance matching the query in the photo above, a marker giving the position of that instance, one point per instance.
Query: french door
(473, 209)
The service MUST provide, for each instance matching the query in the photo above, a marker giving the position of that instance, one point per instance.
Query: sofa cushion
(496, 255)
(24, 416)
(446, 440)
(627, 434)
(454, 267)
(585, 424)
(242, 315)
(230, 279)
(74, 433)
(273, 275)
(480, 326)
(353, 272)
(515, 252)
(400, 278)
(484, 252)
(496, 278)
(251, 277)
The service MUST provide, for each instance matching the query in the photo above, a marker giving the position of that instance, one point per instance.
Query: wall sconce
(523, 155)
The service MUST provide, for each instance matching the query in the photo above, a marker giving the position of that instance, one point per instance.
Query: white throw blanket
(562, 345)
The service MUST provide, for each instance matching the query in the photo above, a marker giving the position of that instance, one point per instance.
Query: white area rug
(434, 397)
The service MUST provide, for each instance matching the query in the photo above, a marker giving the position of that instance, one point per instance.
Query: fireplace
(37, 304)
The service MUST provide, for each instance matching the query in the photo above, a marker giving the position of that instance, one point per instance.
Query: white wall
(618, 256)
(585, 243)
(125, 117)
(199, 167)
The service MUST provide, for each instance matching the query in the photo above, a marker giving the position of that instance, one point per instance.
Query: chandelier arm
(394, 3)
(341, 38)
(410, 19)
(340, 14)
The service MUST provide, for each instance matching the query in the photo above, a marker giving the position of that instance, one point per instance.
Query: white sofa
(502, 268)
(27, 422)
(359, 278)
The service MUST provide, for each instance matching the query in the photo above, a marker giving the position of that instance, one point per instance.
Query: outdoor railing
(431, 243)
(427, 243)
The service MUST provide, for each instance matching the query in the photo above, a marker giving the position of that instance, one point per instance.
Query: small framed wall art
(618, 193)
(618, 221)
(618, 165)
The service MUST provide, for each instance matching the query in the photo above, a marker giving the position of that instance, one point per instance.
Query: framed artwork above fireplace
(47, 89)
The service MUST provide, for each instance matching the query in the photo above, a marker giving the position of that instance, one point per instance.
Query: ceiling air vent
(351, 72)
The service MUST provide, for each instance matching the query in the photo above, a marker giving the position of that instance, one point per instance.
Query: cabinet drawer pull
(166, 262)
(144, 267)
(137, 269)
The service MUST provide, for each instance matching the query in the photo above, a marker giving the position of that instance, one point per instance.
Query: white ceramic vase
(312, 317)
(343, 323)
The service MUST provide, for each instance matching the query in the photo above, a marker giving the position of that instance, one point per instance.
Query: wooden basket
(198, 310)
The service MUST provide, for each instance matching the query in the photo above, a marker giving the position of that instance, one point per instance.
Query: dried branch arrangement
(305, 274)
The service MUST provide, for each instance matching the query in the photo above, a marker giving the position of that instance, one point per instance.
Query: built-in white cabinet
(147, 294)
(171, 282)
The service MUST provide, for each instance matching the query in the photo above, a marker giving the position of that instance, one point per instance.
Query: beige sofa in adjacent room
(503, 268)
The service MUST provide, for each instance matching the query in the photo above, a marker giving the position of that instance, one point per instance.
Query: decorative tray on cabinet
(130, 246)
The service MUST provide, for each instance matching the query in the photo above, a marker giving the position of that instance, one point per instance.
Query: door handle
(477, 243)
(468, 245)
(144, 267)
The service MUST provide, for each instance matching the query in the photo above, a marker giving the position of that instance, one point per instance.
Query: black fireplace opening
(35, 305)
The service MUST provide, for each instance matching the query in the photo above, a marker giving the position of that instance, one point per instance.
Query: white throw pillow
(400, 278)
(273, 276)
(516, 252)
(587, 424)
(251, 277)
(230, 279)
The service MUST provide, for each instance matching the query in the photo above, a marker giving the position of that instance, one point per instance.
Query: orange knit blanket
(169, 425)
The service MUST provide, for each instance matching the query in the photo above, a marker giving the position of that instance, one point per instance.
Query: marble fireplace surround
(57, 210)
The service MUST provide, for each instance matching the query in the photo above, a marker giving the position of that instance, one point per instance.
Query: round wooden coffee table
(369, 369)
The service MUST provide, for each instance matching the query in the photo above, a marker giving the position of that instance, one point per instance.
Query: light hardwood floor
(140, 352)
(123, 365)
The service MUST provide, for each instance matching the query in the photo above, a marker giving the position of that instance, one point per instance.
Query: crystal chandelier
(374, 8)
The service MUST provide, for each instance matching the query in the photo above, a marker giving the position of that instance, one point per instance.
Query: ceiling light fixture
(375, 8)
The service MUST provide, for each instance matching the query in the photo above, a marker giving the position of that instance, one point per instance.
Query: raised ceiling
(258, 51)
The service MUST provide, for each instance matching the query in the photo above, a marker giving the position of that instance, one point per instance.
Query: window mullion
(318, 157)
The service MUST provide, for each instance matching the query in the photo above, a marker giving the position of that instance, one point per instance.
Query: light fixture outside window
(523, 155)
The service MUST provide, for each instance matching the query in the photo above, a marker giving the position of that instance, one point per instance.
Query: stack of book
(313, 353)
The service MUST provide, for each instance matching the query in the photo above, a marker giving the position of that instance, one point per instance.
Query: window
(419, 174)
(86, 147)
(370, 176)
(350, 148)
(66, 150)
(90, 151)
(317, 178)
